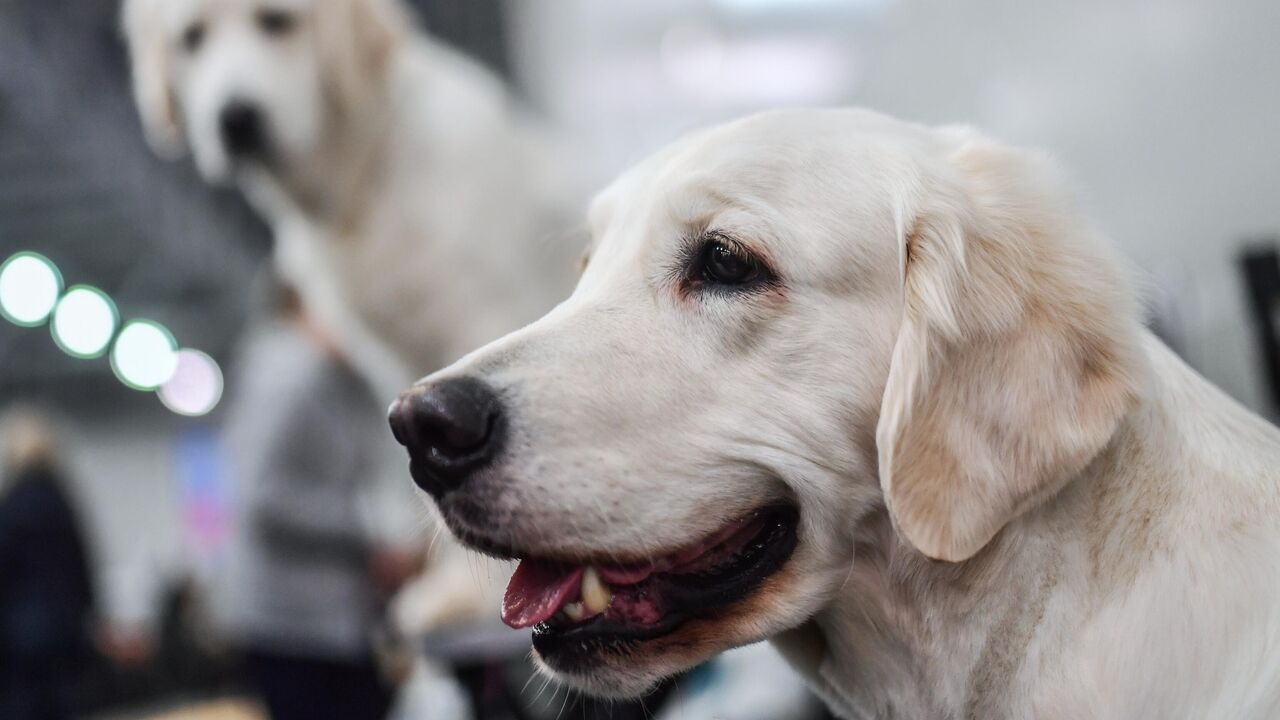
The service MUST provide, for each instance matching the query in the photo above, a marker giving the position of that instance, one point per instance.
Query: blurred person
(46, 588)
(306, 580)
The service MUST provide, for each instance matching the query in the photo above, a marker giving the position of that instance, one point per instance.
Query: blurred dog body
(412, 207)
(1000, 497)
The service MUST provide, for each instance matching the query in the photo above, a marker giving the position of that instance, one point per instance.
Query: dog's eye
(723, 264)
(193, 36)
(276, 22)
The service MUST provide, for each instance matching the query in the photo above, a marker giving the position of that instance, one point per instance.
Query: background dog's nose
(242, 129)
(452, 428)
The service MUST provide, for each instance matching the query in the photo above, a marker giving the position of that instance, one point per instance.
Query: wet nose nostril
(464, 438)
(450, 423)
(451, 428)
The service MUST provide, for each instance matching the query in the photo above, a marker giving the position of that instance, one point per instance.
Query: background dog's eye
(727, 265)
(276, 22)
(193, 36)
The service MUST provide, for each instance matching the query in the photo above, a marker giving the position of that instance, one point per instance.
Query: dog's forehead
(792, 165)
(168, 16)
(174, 14)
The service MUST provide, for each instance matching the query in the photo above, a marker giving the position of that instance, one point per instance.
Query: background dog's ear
(152, 78)
(357, 40)
(1017, 354)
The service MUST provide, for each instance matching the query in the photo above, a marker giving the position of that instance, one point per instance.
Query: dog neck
(925, 638)
(332, 186)
(1031, 623)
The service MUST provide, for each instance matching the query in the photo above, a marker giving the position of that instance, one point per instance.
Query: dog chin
(214, 168)
(607, 681)
(636, 671)
(217, 167)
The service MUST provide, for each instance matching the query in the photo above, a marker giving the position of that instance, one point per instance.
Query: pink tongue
(537, 590)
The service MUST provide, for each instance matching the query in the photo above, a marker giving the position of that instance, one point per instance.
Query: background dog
(412, 207)
(411, 204)
(875, 391)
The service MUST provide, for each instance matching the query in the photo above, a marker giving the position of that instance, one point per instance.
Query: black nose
(242, 129)
(452, 429)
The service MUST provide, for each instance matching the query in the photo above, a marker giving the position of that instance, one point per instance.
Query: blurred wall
(1162, 111)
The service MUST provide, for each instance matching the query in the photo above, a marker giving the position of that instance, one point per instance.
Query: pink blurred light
(196, 385)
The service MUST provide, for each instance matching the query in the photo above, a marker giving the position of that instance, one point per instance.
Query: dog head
(252, 83)
(783, 324)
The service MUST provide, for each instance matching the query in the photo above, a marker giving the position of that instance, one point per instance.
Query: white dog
(410, 204)
(875, 391)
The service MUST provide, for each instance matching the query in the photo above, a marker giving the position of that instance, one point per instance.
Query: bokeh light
(84, 321)
(29, 288)
(145, 355)
(196, 385)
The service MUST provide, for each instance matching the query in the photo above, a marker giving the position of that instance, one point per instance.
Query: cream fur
(1014, 501)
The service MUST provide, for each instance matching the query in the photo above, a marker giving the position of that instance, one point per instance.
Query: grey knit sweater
(299, 437)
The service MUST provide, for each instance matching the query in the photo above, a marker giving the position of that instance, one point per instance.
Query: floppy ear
(1017, 354)
(152, 81)
(357, 40)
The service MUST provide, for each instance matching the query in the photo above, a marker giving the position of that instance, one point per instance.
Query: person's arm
(302, 503)
(303, 534)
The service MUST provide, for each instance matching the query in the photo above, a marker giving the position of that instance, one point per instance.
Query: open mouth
(577, 609)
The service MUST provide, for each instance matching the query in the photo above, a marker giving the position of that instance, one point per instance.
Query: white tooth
(574, 611)
(595, 594)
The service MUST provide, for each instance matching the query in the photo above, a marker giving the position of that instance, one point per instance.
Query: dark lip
(461, 515)
(482, 544)
(570, 647)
